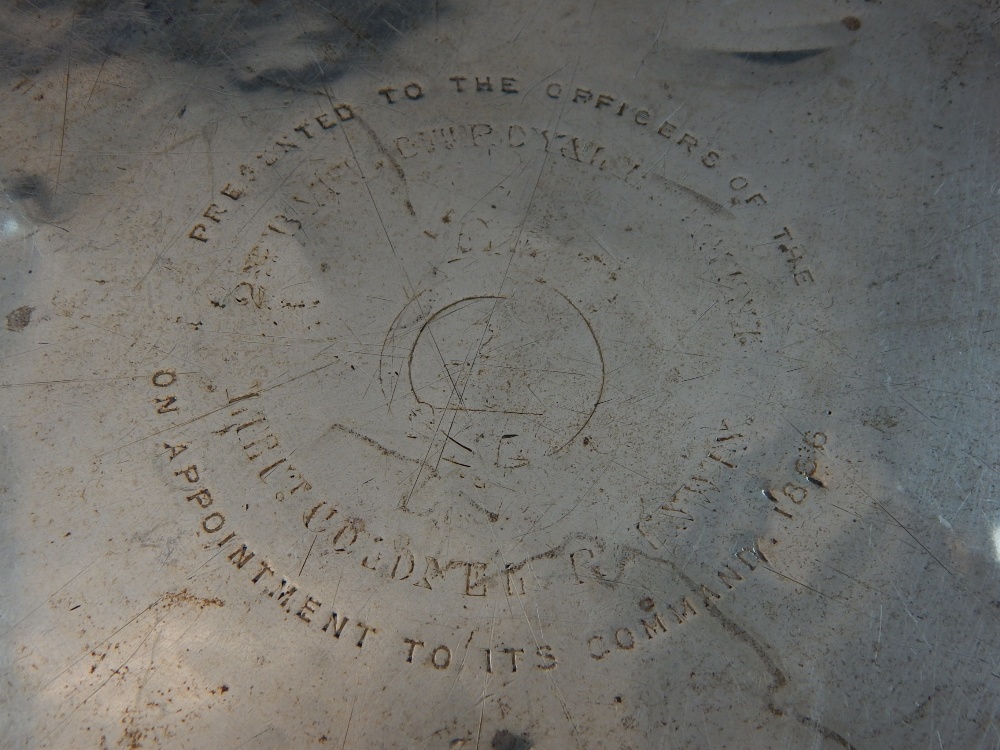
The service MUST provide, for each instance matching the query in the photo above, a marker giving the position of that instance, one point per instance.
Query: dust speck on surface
(19, 318)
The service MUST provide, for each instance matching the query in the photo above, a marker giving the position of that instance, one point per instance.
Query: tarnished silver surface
(499, 375)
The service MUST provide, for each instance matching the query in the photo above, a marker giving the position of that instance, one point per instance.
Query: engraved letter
(324, 122)
(545, 653)
(688, 140)
(365, 629)
(709, 593)
(795, 252)
(231, 192)
(512, 590)
(243, 396)
(190, 473)
(413, 645)
(399, 147)
(480, 130)
(164, 378)
(213, 212)
(447, 657)
(241, 553)
(433, 570)
(264, 568)
(165, 405)
(474, 582)
(409, 565)
(732, 575)
(309, 515)
(214, 522)
(681, 616)
(338, 626)
(593, 654)
(603, 100)
(795, 493)
(572, 562)
(202, 497)
(751, 551)
(666, 129)
(513, 657)
(628, 643)
(657, 625)
(575, 155)
(309, 608)
(284, 593)
(356, 526)
(175, 450)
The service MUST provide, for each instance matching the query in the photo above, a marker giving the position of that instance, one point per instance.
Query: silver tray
(499, 375)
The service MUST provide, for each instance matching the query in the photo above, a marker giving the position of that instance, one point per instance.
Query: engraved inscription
(480, 371)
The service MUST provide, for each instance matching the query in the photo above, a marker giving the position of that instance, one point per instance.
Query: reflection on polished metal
(499, 375)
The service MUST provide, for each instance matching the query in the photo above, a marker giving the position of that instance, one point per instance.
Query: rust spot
(851, 23)
(183, 596)
(18, 319)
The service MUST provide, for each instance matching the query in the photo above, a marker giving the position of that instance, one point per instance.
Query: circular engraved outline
(431, 318)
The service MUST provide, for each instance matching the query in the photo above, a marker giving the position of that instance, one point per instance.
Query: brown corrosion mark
(174, 598)
(373, 443)
(819, 728)
(18, 319)
(851, 23)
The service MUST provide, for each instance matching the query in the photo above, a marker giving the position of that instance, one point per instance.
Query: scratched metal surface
(499, 375)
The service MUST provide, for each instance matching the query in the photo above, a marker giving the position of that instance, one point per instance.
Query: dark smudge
(780, 57)
(504, 740)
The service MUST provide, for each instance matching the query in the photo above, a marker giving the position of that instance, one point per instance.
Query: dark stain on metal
(17, 320)
(780, 57)
(505, 740)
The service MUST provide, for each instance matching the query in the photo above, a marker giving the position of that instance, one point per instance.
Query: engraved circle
(527, 358)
